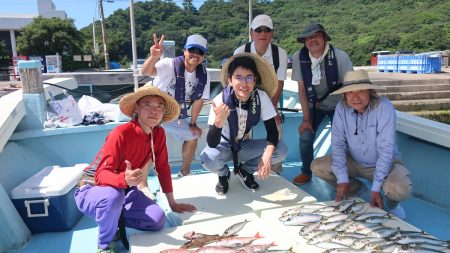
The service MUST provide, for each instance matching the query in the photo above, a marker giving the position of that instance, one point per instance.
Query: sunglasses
(245, 79)
(263, 29)
(194, 50)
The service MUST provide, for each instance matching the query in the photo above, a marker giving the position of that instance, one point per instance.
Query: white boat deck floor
(83, 237)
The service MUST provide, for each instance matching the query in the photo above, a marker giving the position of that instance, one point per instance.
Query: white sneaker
(398, 211)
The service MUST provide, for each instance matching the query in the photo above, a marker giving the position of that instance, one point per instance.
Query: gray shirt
(344, 65)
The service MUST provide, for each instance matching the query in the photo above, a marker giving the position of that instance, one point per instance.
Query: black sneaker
(247, 179)
(222, 185)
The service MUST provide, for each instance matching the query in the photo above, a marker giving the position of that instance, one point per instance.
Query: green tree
(50, 36)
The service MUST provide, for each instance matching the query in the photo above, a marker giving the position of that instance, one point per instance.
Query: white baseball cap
(262, 20)
(197, 41)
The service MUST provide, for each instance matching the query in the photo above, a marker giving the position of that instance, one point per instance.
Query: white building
(10, 24)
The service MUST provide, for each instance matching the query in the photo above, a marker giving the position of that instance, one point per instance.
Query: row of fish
(348, 227)
(228, 242)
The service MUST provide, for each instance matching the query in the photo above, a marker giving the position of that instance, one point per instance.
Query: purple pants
(105, 204)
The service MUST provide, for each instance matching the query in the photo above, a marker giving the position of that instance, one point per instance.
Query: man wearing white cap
(186, 79)
(262, 33)
(363, 144)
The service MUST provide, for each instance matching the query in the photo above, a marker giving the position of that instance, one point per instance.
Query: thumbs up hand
(133, 176)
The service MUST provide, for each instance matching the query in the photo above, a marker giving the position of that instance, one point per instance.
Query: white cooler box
(46, 200)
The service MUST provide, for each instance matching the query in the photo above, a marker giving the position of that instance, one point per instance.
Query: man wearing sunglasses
(186, 79)
(261, 33)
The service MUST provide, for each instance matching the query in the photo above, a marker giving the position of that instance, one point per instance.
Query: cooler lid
(49, 182)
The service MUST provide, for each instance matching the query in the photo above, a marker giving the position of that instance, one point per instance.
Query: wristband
(193, 125)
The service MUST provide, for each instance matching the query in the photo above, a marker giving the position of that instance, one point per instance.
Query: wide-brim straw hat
(127, 103)
(357, 80)
(269, 80)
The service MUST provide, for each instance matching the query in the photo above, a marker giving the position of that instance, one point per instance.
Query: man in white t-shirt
(186, 79)
(261, 33)
(249, 83)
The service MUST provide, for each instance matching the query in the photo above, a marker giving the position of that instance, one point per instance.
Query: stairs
(415, 92)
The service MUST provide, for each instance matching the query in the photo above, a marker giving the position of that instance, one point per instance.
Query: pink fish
(256, 248)
(216, 249)
(235, 241)
(177, 251)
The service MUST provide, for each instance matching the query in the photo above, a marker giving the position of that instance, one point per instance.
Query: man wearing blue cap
(319, 69)
(186, 79)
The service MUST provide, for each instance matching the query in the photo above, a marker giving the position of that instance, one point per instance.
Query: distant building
(11, 24)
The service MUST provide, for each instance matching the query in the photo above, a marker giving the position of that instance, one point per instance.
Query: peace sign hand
(157, 49)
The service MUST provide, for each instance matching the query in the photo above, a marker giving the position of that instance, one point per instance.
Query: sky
(82, 11)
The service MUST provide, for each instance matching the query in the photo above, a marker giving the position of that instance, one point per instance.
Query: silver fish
(344, 240)
(330, 245)
(383, 232)
(308, 228)
(235, 228)
(322, 237)
(359, 243)
(338, 217)
(302, 219)
(329, 225)
(347, 251)
(366, 215)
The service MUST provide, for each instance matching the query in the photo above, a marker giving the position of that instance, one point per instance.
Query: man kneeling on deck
(249, 82)
(363, 145)
(115, 183)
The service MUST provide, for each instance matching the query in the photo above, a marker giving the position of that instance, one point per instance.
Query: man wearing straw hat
(186, 79)
(115, 183)
(249, 83)
(363, 145)
(319, 69)
(261, 33)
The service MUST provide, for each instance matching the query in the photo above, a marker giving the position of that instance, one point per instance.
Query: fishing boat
(27, 148)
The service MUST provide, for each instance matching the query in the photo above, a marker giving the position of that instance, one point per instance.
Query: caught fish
(256, 248)
(308, 228)
(235, 228)
(193, 235)
(329, 225)
(322, 237)
(369, 214)
(235, 241)
(202, 241)
(330, 245)
(383, 232)
(302, 219)
(216, 249)
(347, 251)
(177, 251)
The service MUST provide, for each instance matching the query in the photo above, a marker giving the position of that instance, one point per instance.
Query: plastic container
(46, 202)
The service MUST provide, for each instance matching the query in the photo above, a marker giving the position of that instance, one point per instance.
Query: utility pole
(250, 18)
(105, 49)
(93, 37)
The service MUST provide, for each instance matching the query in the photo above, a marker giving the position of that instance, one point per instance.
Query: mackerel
(308, 228)
(322, 237)
(329, 225)
(302, 219)
(331, 245)
(235, 228)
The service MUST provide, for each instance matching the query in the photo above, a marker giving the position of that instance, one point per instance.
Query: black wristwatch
(193, 125)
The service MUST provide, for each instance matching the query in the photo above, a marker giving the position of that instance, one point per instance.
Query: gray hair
(374, 99)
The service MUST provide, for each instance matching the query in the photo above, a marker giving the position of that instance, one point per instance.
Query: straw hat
(127, 103)
(357, 80)
(269, 80)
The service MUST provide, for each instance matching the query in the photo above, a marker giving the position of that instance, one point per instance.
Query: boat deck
(83, 237)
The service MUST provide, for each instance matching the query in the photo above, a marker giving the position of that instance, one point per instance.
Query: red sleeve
(108, 161)
(162, 160)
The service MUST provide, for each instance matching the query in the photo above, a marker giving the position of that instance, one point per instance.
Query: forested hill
(356, 26)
